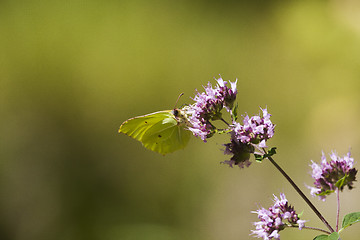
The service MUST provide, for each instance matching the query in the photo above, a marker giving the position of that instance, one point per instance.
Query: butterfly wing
(159, 131)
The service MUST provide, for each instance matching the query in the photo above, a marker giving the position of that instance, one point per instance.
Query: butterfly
(162, 132)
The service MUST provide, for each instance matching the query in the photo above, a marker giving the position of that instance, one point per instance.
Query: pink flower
(275, 219)
(329, 176)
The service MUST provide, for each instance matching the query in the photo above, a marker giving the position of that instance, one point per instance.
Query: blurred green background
(72, 71)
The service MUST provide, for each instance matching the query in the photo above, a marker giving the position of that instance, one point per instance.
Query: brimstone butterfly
(163, 132)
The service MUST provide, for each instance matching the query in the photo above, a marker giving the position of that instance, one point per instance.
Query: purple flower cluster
(207, 107)
(329, 176)
(240, 153)
(275, 219)
(255, 131)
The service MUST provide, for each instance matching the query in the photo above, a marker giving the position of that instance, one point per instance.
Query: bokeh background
(72, 71)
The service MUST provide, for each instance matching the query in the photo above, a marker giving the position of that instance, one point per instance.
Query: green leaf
(333, 236)
(321, 237)
(221, 131)
(217, 116)
(258, 157)
(327, 192)
(271, 152)
(350, 219)
(234, 112)
(341, 182)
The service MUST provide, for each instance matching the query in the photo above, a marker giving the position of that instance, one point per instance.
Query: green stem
(301, 194)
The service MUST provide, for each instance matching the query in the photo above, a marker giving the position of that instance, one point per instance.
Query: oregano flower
(247, 137)
(276, 218)
(255, 129)
(208, 106)
(337, 173)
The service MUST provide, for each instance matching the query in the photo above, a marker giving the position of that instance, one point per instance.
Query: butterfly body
(163, 132)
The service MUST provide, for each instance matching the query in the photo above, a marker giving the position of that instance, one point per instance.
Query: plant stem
(338, 208)
(301, 194)
(313, 228)
(225, 121)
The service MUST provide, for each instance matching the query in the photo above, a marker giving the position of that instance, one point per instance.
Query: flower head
(207, 107)
(275, 219)
(240, 153)
(255, 129)
(254, 133)
(329, 176)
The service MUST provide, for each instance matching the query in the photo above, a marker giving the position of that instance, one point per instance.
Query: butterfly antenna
(178, 99)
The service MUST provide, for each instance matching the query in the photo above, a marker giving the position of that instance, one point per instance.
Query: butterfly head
(176, 112)
(180, 116)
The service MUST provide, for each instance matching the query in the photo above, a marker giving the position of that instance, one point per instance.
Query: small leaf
(234, 112)
(341, 182)
(334, 236)
(221, 131)
(271, 152)
(350, 219)
(258, 157)
(327, 192)
(321, 237)
(217, 116)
